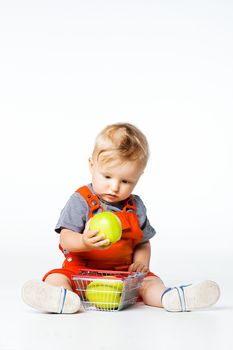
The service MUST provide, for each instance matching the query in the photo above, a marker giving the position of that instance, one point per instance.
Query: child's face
(114, 183)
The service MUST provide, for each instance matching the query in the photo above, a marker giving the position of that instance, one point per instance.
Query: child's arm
(79, 242)
(141, 258)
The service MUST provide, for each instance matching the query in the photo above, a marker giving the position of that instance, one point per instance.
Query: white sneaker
(191, 297)
(44, 297)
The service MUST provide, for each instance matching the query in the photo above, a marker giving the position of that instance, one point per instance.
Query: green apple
(105, 294)
(108, 224)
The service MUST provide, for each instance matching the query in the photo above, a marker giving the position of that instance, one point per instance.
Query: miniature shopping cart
(107, 290)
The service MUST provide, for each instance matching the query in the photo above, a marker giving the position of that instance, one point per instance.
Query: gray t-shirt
(75, 214)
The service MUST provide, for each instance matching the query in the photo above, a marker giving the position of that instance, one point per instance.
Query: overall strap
(94, 202)
(129, 204)
(91, 199)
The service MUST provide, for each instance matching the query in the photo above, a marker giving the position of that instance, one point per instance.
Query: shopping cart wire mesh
(107, 290)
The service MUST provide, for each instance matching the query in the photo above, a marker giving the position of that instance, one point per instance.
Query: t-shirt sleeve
(144, 222)
(74, 215)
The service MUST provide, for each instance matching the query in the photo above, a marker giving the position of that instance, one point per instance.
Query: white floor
(138, 327)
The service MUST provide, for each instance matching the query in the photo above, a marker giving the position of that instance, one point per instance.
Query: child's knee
(58, 279)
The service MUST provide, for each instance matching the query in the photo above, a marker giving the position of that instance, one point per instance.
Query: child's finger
(102, 243)
(145, 269)
(97, 238)
(142, 268)
(131, 268)
(91, 234)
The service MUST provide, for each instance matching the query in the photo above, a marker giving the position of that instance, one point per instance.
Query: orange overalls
(119, 256)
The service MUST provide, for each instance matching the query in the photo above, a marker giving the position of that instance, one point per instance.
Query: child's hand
(138, 267)
(92, 241)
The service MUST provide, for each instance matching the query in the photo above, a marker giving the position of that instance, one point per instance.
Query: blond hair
(121, 141)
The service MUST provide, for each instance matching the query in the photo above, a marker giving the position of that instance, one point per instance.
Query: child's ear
(91, 163)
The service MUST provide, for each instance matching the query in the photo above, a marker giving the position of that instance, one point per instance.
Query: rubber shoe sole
(191, 297)
(44, 297)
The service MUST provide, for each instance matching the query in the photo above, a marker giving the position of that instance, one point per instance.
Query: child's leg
(53, 295)
(151, 291)
(59, 280)
(182, 298)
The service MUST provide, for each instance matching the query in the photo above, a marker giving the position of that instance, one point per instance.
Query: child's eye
(107, 177)
(125, 181)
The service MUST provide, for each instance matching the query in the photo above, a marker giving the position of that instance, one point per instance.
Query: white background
(69, 68)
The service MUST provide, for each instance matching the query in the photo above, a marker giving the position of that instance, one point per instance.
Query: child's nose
(115, 186)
